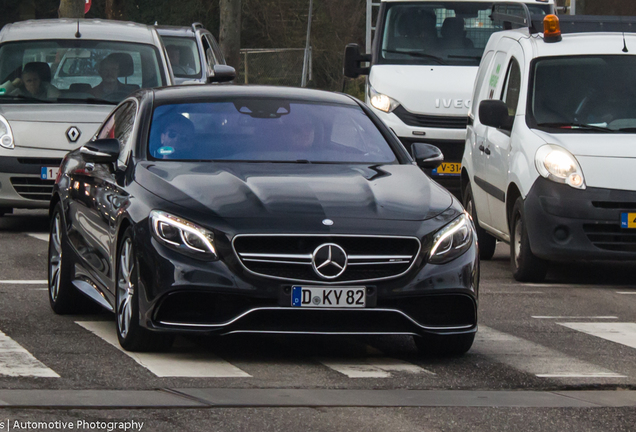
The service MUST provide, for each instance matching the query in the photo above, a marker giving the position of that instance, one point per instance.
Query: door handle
(484, 149)
(487, 151)
(481, 148)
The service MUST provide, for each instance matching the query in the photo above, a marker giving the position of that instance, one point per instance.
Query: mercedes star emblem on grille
(329, 260)
(73, 134)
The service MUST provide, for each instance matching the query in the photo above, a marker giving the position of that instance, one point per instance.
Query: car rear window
(267, 130)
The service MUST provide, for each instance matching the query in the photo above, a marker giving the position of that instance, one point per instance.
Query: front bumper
(20, 183)
(566, 224)
(181, 294)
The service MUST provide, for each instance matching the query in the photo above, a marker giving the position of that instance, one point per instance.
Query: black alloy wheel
(133, 337)
(525, 266)
(453, 345)
(63, 296)
(487, 243)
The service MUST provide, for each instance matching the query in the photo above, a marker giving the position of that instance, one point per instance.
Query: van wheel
(444, 345)
(487, 243)
(525, 266)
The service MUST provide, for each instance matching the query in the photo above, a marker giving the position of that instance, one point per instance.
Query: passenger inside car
(178, 67)
(454, 34)
(113, 67)
(34, 82)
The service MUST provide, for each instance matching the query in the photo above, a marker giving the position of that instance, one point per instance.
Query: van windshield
(72, 71)
(442, 33)
(591, 93)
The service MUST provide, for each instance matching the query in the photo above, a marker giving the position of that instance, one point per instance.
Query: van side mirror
(222, 73)
(494, 113)
(101, 150)
(352, 60)
(427, 155)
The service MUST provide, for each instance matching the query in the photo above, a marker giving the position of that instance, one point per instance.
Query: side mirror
(101, 150)
(352, 60)
(222, 73)
(427, 155)
(494, 113)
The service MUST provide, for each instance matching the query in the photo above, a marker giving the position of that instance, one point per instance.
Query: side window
(512, 87)
(209, 54)
(495, 74)
(108, 130)
(218, 55)
(120, 125)
(479, 82)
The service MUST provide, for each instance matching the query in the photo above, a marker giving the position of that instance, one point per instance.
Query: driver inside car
(32, 83)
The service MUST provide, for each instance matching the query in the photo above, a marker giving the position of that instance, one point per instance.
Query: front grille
(611, 236)
(290, 257)
(33, 188)
(421, 120)
(614, 205)
(40, 161)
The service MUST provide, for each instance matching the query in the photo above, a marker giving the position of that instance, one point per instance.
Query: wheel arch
(512, 194)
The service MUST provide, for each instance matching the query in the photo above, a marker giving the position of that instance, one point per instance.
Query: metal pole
(572, 7)
(306, 58)
(369, 24)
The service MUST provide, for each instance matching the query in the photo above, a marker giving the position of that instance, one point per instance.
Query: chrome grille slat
(290, 256)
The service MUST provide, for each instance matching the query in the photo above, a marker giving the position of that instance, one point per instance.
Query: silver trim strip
(325, 333)
(351, 310)
(267, 255)
(361, 257)
(414, 258)
(378, 263)
(276, 262)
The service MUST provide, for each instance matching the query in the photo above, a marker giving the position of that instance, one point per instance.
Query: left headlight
(559, 165)
(182, 235)
(381, 101)
(6, 136)
(452, 241)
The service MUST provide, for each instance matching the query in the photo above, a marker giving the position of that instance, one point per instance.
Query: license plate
(448, 168)
(49, 173)
(628, 220)
(350, 297)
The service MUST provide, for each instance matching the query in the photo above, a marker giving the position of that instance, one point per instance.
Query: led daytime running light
(162, 220)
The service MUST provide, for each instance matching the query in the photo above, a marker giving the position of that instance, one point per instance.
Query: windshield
(585, 93)
(72, 71)
(273, 130)
(447, 33)
(184, 56)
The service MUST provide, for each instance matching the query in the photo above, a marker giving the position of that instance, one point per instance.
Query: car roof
(90, 29)
(165, 30)
(189, 93)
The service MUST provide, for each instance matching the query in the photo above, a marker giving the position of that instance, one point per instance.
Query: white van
(550, 157)
(423, 65)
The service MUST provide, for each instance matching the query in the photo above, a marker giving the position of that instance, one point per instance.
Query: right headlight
(381, 101)
(452, 241)
(6, 136)
(559, 165)
(182, 235)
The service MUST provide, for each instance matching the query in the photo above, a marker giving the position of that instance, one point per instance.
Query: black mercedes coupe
(239, 209)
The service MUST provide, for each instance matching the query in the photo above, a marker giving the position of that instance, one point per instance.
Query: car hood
(434, 90)
(262, 190)
(608, 160)
(45, 126)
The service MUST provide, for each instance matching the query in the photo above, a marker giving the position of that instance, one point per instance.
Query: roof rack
(514, 15)
(196, 26)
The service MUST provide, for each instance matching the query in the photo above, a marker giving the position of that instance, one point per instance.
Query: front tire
(131, 335)
(487, 243)
(525, 266)
(64, 298)
(444, 345)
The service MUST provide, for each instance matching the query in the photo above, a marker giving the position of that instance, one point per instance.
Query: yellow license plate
(448, 168)
(628, 220)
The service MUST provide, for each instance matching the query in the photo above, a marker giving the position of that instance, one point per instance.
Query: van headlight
(182, 235)
(452, 241)
(6, 136)
(559, 165)
(381, 101)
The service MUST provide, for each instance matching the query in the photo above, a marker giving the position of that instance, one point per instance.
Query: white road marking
(40, 236)
(574, 317)
(533, 358)
(15, 361)
(24, 282)
(626, 292)
(622, 333)
(170, 364)
(375, 365)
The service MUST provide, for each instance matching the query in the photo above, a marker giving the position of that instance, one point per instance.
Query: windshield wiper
(575, 126)
(91, 100)
(417, 54)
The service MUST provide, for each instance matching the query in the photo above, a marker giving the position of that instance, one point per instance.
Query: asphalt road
(552, 356)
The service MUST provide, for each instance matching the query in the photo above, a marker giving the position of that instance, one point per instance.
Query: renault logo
(329, 260)
(73, 134)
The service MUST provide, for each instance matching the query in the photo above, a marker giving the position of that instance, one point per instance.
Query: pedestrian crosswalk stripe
(170, 364)
(371, 367)
(622, 333)
(15, 361)
(40, 236)
(533, 358)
